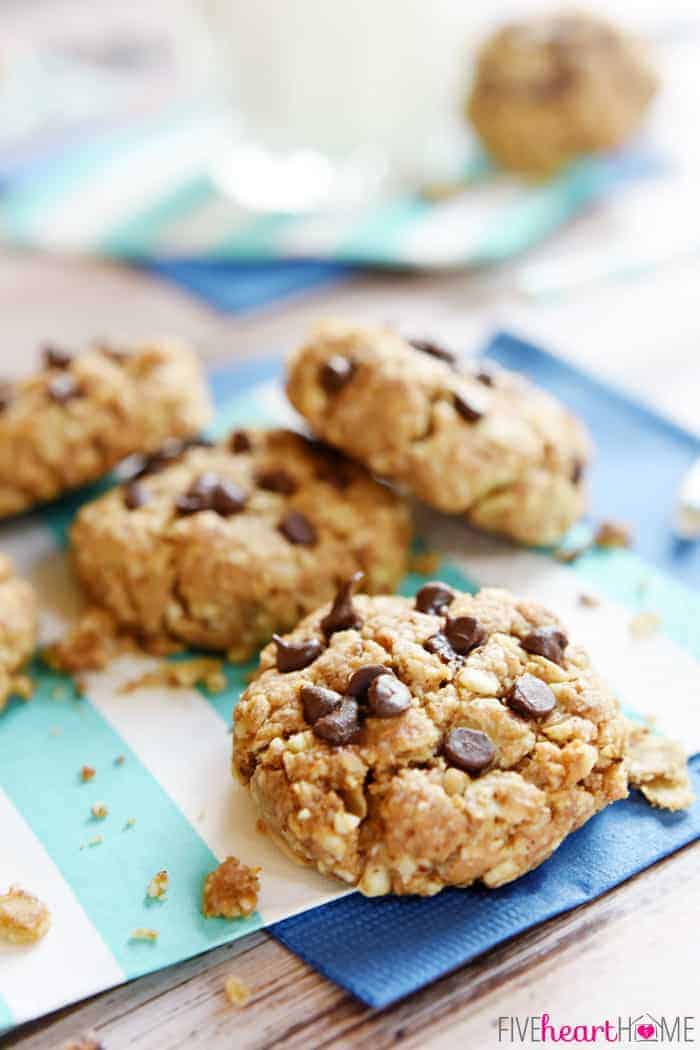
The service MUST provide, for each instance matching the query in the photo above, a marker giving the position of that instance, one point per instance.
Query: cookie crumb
(184, 674)
(89, 644)
(644, 624)
(142, 933)
(84, 1042)
(425, 563)
(658, 767)
(86, 773)
(588, 601)
(96, 840)
(568, 555)
(611, 534)
(231, 890)
(158, 886)
(119, 760)
(99, 810)
(130, 823)
(237, 992)
(24, 919)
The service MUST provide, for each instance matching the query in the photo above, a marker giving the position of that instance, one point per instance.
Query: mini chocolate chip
(294, 656)
(434, 597)
(7, 394)
(464, 633)
(531, 697)
(468, 408)
(227, 498)
(199, 496)
(297, 528)
(363, 677)
(136, 495)
(63, 387)
(468, 749)
(277, 481)
(485, 375)
(169, 452)
(426, 346)
(336, 373)
(341, 726)
(388, 696)
(56, 357)
(342, 615)
(577, 471)
(333, 467)
(549, 642)
(239, 441)
(439, 646)
(318, 702)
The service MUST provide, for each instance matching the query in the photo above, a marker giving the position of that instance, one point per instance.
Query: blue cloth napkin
(381, 950)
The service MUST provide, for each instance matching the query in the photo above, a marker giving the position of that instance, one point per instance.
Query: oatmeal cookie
(554, 88)
(221, 546)
(428, 742)
(18, 615)
(480, 442)
(83, 413)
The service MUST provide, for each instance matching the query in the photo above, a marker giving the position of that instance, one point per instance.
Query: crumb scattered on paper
(24, 919)
(237, 992)
(88, 645)
(658, 767)
(588, 601)
(426, 563)
(130, 823)
(99, 810)
(86, 773)
(119, 760)
(142, 933)
(183, 674)
(158, 886)
(567, 555)
(613, 534)
(644, 624)
(231, 890)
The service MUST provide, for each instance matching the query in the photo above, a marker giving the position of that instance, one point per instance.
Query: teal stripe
(380, 232)
(44, 745)
(255, 238)
(136, 236)
(6, 1018)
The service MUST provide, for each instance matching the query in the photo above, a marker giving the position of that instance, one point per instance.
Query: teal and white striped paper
(175, 780)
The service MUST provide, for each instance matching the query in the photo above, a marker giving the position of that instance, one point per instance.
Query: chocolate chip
(7, 394)
(577, 471)
(342, 725)
(362, 679)
(336, 373)
(277, 481)
(136, 495)
(169, 452)
(531, 697)
(549, 642)
(468, 749)
(293, 656)
(56, 357)
(439, 646)
(318, 702)
(239, 442)
(426, 346)
(342, 615)
(228, 498)
(333, 467)
(485, 375)
(468, 408)
(388, 696)
(434, 597)
(63, 387)
(464, 633)
(297, 528)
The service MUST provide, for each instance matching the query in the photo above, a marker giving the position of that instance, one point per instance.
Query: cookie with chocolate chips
(408, 744)
(85, 411)
(474, 441)
(221, 545)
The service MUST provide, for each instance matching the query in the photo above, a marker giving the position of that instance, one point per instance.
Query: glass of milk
(332, 102)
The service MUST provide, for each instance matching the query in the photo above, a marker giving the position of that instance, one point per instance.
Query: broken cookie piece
(659, 768)
(231, 890)
(24, 919)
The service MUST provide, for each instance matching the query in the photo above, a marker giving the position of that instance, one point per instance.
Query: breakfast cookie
(220, 546)
(421, 743)
(554, 88)
(84, 412)
(18, 616)
(480, 442)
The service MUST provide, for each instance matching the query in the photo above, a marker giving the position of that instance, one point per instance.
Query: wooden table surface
(634, 950)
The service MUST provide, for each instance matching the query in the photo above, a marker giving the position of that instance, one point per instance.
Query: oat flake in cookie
(82, 413)
(502, 452)
(18, 630)
(404, 767)
(222, 546)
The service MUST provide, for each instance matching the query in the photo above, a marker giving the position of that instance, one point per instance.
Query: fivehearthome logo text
(625, 1031)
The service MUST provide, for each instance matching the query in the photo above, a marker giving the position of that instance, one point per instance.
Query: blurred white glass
(335, 101)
